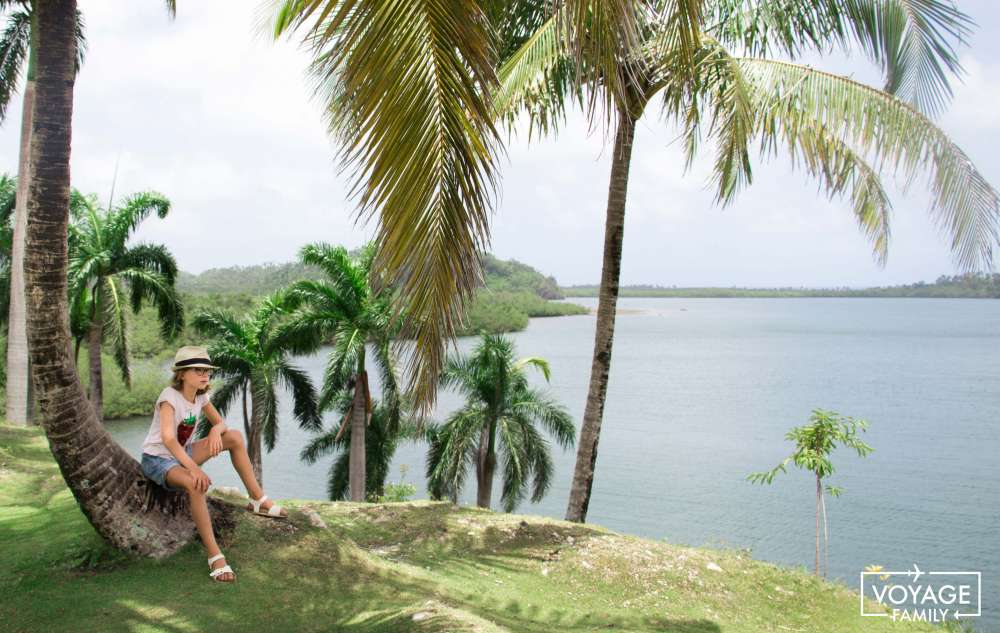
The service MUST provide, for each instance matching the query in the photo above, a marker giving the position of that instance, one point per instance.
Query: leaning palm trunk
(94, 336)
(586, 455)
(359, 415)
(106, 482)
(18, 381)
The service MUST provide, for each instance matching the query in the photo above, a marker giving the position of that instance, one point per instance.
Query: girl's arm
(218, 424)
(170, 439)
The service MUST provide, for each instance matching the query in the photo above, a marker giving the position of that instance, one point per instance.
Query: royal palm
(346, 311)
(501, 416)
(107, 276)
(253, 363)
(382, 437)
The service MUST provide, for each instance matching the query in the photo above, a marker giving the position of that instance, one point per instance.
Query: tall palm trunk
(485, 466)
(94, 337)
(105, 480)
(254, 434)
(356, 460)
(18, 374)
(590, 432)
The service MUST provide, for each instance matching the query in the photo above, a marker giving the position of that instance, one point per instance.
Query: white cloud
(219, 119)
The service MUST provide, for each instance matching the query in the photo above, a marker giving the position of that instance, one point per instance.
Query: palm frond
(305, 404)
(14, 43)
(150, 286)
(534, 405)
(513, 441)
(123, 220)
(964, 206)
(911, 40)
(115, 326)
(412, 105)
(265, 397)
(602, 36)
(152, 257)
(537, 79)
(220, 324)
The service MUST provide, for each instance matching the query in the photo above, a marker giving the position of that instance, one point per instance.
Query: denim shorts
(156, 467)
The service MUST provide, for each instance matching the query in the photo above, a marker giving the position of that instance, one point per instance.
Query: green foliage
(256, 280)
(502, 410)
(383, 436)
(397, 492)
(970, 285)
(512, 275)
(815, 442)
(149, 377)
(252, 357)
(108, 277)
(376, 566)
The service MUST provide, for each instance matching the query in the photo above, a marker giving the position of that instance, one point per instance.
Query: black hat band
(192, 361)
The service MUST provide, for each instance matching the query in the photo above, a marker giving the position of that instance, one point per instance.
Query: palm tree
(347, 310)
(123, 509)
(842, 132)
(253, 362)
(500, 414)
(407, 92)
(105, 273)
(8, 203)
(381, 442)
(17, 50)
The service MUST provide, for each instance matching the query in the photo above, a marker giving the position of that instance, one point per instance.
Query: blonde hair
(177, 382)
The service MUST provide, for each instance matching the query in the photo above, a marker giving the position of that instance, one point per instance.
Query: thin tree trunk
(819, 492)
(94, 337)
(590, 431)
(254, 436)
(124, 507)
(18, 373)
(485, 466)
(356, 460)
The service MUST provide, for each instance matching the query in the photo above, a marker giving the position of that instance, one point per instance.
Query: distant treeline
(970, 286)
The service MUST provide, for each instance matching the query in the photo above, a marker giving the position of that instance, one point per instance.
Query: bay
(701, 393)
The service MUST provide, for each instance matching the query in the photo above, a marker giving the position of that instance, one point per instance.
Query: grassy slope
(377, 566)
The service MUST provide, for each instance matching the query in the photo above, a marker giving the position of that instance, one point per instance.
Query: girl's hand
(202, 482)
(214, 442)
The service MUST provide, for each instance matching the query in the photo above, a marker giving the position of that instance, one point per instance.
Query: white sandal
(215, 573)
(273, 512)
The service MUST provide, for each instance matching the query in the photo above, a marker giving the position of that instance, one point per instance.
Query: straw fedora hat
(191, 356)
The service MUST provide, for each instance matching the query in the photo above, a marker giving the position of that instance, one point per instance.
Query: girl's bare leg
(179, 477)
(232, 441)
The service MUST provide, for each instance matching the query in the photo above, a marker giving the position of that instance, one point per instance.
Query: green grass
(376, 566)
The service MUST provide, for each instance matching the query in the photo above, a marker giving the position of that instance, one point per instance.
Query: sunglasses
(201, 371)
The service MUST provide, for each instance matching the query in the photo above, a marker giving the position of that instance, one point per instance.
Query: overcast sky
(219, 119)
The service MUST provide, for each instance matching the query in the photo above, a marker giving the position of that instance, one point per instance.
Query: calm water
(702, 392)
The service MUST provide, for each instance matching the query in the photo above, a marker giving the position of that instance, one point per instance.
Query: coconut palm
(406, 87)
(381, 441)
(107, 275)
(500, 415)
(845, 134)
(346, 310)
(253, 363)
(123, 509)
(17, 53)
